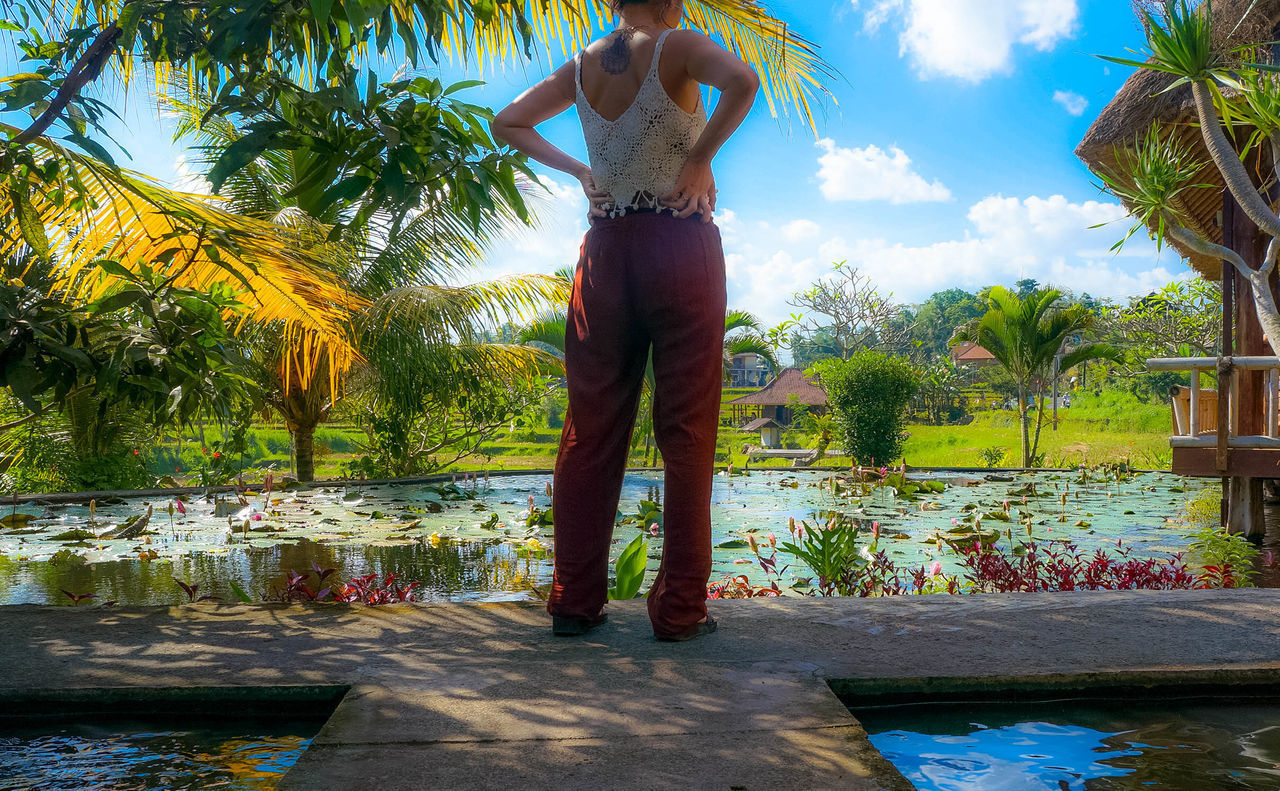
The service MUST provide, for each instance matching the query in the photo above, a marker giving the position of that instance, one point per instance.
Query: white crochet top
(638, 158)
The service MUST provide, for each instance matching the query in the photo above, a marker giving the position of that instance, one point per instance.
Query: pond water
(1082, 745)
(470, 540)
(122, 754)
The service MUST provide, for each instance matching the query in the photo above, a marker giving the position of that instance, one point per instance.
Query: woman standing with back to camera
(651, 275)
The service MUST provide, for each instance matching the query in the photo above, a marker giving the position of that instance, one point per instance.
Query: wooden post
(1248, 388)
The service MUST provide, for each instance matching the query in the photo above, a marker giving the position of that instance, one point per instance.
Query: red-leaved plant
(365, 589)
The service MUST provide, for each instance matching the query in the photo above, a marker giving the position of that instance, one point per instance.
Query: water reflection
(1082, 745)
(131, 755)
(471, 541)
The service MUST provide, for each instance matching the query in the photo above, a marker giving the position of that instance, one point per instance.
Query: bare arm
(514, 125)
(710, 64)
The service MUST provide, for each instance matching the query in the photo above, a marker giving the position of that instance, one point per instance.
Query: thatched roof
(779, 392)
(1143, 100)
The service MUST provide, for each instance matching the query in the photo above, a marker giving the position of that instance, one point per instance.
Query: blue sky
(944, 157)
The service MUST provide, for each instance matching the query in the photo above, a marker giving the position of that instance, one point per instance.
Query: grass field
(1095, 429)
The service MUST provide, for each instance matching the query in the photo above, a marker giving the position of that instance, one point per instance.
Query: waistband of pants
(644, 210)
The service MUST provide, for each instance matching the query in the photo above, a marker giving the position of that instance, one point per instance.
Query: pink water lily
(182, 509)
(935, 568)
(653, 529)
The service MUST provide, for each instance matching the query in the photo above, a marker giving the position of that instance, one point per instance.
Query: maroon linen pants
(643, 280)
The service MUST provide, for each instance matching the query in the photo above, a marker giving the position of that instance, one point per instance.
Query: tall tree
(849, 309)
(1025, 335)
(419, 340)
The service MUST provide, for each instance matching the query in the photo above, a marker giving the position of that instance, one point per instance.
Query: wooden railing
(1208, 418)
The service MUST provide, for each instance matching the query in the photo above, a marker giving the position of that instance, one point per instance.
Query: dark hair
(616, 5)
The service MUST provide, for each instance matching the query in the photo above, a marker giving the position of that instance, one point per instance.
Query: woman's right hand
(601, 201)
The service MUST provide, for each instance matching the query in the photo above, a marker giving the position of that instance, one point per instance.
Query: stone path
(482, 697)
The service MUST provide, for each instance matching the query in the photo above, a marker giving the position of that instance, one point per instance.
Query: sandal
(697, 630)
(575, 626)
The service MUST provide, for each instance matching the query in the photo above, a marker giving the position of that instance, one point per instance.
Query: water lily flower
(773, 540)
(182, 509)
(256, 517)
(530, 501)
(935, 568)
(875, 530)
(653, 529)
(954, 521)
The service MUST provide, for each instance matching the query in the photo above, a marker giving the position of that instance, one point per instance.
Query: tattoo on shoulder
(616, 57)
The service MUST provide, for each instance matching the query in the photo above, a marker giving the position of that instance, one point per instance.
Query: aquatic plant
(740, 587)
(1033, 567)
(831, 551)
(193, 592)
(365, 589)
(629, 569)
(1228, 560)
(647, 513)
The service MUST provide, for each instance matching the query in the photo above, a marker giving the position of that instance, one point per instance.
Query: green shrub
(868, 395)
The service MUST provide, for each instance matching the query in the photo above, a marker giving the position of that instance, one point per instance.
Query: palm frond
(194, 242)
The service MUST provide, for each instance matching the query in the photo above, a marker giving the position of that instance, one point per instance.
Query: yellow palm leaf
(792, 73)
(134, 221)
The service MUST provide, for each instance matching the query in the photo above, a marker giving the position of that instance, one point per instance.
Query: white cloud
(800, 230)
(971, 39)
(1005, 239)
(1072, 102)
(1000, 240)
(873, 174)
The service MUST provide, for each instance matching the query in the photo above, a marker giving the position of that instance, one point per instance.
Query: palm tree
(1025, 335)
(744, 334)
(197, 242)
(414, 330)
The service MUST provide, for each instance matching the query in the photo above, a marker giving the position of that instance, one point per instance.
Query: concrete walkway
(482, 697)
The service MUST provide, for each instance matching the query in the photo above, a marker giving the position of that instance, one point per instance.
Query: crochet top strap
(637, 158)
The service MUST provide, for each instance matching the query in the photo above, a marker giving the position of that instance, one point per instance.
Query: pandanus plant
(1153, 175)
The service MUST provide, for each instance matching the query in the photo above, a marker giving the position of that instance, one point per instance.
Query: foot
(574, 626)
(697, 630)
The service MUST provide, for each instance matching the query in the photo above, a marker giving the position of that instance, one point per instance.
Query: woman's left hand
(695, 191)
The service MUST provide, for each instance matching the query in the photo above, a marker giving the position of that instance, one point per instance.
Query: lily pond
(490, 539)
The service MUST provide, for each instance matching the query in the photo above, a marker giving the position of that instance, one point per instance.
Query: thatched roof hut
(1143, 100)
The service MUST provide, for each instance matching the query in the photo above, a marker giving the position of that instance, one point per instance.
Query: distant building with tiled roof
(971, 355)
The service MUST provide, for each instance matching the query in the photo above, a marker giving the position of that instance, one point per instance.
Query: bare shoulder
(684, 39)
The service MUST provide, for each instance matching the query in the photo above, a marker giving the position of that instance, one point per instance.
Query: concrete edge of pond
(61, 498)
(200, 701)
(472, 696)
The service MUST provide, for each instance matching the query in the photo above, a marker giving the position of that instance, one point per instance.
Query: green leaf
(630, 569)
(321, 9)
(115, 269)
(91, 148)
(29, 222)
(240, 593)
(462, 86)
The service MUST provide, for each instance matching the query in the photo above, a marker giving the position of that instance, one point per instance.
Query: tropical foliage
(1159, 171)
(1033, 338)
(868, 395)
